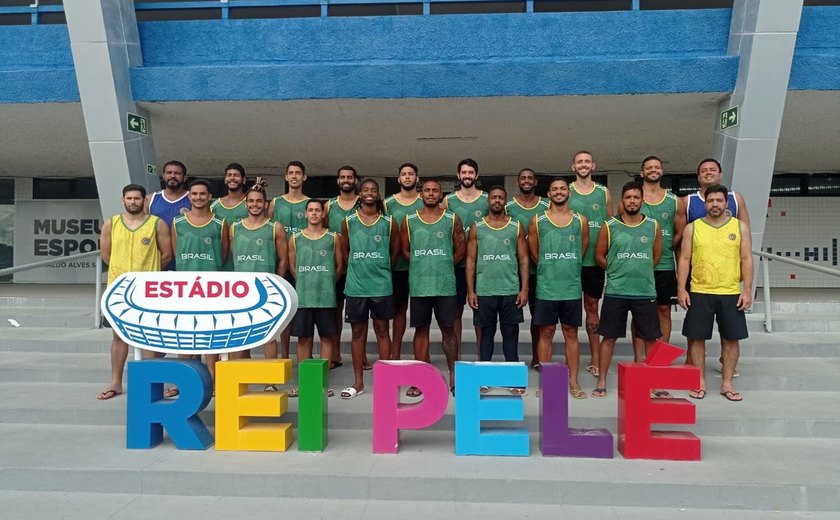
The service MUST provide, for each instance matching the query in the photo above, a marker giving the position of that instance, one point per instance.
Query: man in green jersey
(668, 211)
(371, 245)
(557, 240)
(201, 243)
(523, 208)
(258, 244)
(470, 204)
(397, 206)
(337, 209)
(592, 200)
(316, 261)
(231, 208)
(433, 242)
(629, 245)
(289, 210)
(497, 278)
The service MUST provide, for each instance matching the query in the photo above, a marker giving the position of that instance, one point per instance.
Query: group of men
(362, 257)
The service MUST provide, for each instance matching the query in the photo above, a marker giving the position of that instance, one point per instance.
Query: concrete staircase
(63, 451)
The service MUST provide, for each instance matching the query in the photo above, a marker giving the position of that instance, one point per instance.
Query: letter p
(389, 416)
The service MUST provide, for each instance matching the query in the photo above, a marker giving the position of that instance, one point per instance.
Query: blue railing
(35, 10)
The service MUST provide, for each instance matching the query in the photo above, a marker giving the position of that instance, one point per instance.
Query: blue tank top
(696, 207)
(166, 210)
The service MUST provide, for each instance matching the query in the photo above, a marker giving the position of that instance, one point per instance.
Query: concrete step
(799, 415)
(736, 473)
(760, 344)
(797, 307)
(777, 374)
(134, 506)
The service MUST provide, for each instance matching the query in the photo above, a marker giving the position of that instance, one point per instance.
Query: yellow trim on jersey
(595, 187)
(510, 219)
(575, 215)
(222, 204)
(394, 197)
(539, 201)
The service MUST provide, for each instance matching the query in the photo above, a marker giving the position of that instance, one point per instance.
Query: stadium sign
(198, 312)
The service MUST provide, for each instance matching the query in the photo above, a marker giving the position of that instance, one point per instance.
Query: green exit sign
(151, 169)
(729, 118)
(137, 124)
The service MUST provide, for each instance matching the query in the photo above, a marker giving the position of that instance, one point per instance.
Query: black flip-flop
(730, 396)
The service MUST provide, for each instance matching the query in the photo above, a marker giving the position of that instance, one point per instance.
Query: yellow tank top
(133, 249)
(716, 258)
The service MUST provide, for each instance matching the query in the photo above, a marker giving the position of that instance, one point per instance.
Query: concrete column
(763, 34)
(105, 44)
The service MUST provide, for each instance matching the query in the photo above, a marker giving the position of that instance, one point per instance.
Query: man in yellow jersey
(717, 248)
(710, 172)
(131, 241)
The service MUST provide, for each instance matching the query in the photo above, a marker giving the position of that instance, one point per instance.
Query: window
(64, 188)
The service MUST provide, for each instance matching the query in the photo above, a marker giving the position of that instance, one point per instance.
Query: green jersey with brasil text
(431, 271)
(198, 248)
(337, 214)
(253, 250)
(231, 215)
(468, 212)
(524, 216)
(291, 214)
(315, 270)
(664, 212)
(369, 263)
(593, 206)
(630, 258)
(496, 263)
(398, 211)
(561, 257)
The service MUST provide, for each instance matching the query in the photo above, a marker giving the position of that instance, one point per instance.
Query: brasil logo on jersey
(198, 312)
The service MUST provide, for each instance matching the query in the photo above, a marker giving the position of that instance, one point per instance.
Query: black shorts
(532, 291)
(460, 287)
(422, 307)
(359, 309)
(305, 321)
(339, 290)
(706, 308)
(592, 281)
(666, 287)
(497, 309)
(614, 317)
(289, 278)
(549, 312)
(399, 284)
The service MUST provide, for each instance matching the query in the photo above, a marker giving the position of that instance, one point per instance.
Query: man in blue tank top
(172, 200)
(709, 172)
